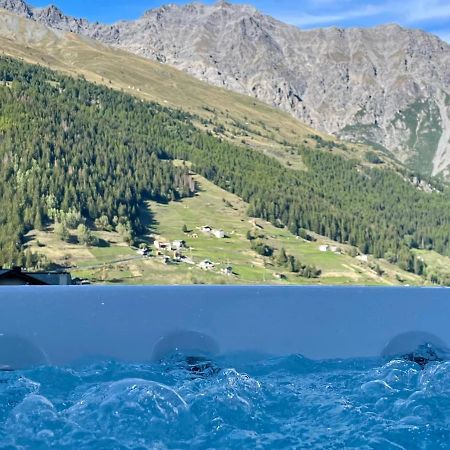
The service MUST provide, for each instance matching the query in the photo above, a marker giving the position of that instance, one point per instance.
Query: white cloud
(424, 11)
(332, 12)
(310, 20)
(328, 2)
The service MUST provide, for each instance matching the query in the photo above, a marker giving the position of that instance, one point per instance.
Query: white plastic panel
(62, 325)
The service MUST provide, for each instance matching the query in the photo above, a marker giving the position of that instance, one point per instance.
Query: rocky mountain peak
(16, 6)
(160, 10)
(223, 4)
(50, 10)
(50, 14)
(197, 8)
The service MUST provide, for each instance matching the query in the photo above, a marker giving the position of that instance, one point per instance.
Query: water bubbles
(376, 388)
(34, 422)
(31, 413)
(196, 402)
(228, 397)
(13, 390)
(128, 407)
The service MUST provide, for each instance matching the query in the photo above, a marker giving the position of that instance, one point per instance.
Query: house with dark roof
(18, 277)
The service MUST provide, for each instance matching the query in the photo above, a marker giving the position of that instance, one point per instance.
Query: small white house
(186, 260)
(219, 234)
(363, 258)
(206, 265)
(178, 245)
(165, 259)
(161, 245)
(143, 252)
(324, 248)
(279, 276)
(228, 270)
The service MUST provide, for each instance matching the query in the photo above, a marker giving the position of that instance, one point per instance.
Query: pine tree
(282, 259)
(61, 231)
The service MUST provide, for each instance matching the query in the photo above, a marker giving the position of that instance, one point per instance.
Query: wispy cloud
(310, 20)
(424, 11)
(427, 14)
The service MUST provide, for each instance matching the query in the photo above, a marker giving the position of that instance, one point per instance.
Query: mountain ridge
(387, 86)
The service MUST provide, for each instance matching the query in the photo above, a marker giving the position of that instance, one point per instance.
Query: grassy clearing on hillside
(436, 264)
(222, 210)
(117, 263)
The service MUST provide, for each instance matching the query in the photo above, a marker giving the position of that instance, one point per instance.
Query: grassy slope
(208, 207)
(436, 263)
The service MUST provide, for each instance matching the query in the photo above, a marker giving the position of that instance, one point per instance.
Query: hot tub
(65, 325)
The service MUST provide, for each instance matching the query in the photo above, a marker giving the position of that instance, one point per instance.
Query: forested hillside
(69, 147)
(376, 210)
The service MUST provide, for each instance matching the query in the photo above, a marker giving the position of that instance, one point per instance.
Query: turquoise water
(231, 403)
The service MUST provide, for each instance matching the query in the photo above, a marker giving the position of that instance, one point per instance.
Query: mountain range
(387, 86)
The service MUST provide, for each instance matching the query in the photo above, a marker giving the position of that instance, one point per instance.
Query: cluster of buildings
(219, 234)
(174, 246)
(208, 265)
(177, 247)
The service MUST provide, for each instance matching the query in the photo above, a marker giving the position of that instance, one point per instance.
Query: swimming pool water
(233, 403)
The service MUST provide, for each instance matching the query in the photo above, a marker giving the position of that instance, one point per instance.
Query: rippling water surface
(278, 403)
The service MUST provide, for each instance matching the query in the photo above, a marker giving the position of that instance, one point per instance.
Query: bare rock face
(17, 6)
(53, 17)
(388, 86)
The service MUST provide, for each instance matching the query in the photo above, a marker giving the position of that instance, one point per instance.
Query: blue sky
(430, 15)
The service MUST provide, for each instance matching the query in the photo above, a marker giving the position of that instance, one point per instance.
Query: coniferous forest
(68, 146)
